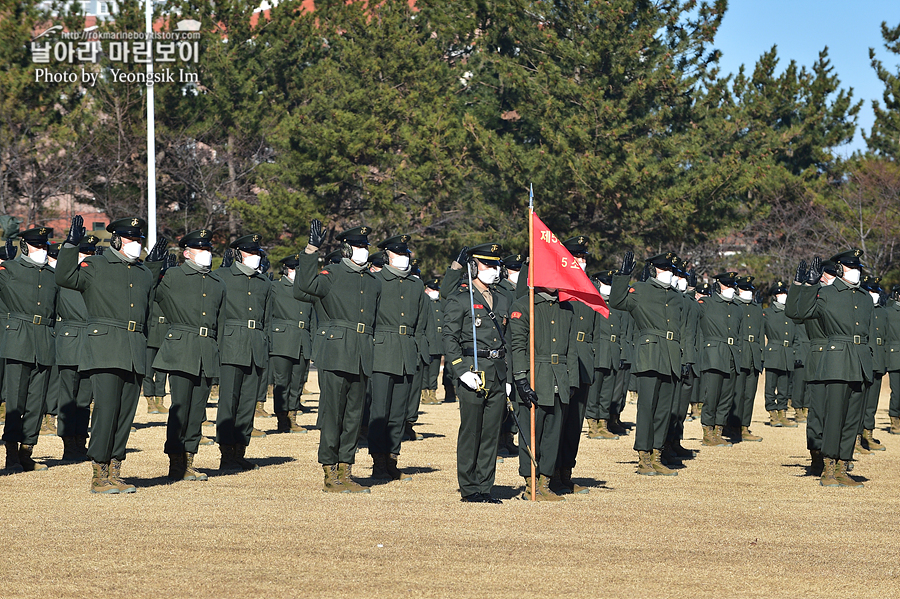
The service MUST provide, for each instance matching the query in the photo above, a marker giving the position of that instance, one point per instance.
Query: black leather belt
(492, 354)
(201, 331)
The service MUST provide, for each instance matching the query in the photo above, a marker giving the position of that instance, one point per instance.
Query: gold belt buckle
(787, 343)
(612, 338)
(731, 341)
(301, 324)
(879, 341)
(580, 336)
(857, 339)
(36, 319)
(204, 332)
(750, 338)
(670, 336)
(251, 324)
(554, 358)
(132, 326)
(402, 329)
(360, 327)
(162, 320)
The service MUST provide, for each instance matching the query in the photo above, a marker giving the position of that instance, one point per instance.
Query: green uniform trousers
(51, 403)
(844, 403)
(238, 390)
(815, 394)
(873, 391)
(388, 413)
(717, 390)
(262, 384)
(415, 393)
(573, 423)
(777, 389)
(155, 381)
(24, 388)
(656, 392)
(620, 391)
(680, 406)
(479, 433)
(74, 403)
(600, 395)
(187, 412)
(116, 394)
(434, 371)
(741, 412)
(341, 399)
(548, 422)
(894, 406)
(288, 377)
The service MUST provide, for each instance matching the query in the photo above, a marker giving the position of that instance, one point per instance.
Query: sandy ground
(745, 521)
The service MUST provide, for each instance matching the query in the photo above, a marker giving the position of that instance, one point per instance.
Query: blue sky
(801, 28)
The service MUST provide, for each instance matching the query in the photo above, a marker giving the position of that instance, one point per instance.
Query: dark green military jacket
(156, 326)
(892, 332)
(290, 321)
(428, 339)
(782, 339)
(346, 299)
(845, 314)
(457, 333)
(691, 333)
(402, 319)
(720, 330)
(811, 335)
(658, 312)
(583, 325)
(607, 339)
(116, 293)
(437, 323)
(71, 322)
(753, 328)
(556, 367)
(877, 334)
(243, 341)
(627, 338)
(193, 302)
(29, 291)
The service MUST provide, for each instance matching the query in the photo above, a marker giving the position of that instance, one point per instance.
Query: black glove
(228, 258)
(621, 364)
(526, 393)
(264, 265)
(158, 253)
(760, 296)
(685, 370)
(76, 231)
(316, 233)
(692, 278)
(798, 363)
(815, 271)
(802, 272)
(463, 255)
(170, 261)
(645, 274)
(100, 249)
(627, 264)
(11, 249)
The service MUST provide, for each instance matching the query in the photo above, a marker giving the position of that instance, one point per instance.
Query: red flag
(555, 268)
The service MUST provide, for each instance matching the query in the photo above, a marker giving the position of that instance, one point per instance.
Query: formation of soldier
(86, 330)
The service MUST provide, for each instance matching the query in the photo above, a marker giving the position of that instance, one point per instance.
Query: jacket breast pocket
(98, 329)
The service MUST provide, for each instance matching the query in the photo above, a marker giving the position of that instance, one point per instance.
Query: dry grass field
(745, 521)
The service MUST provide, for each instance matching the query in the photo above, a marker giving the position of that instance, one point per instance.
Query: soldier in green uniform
(720, 357)
(7, 252)
(893, 362)
(75, 393)
(845, 366)
(482, 399)
(877, 335)
(752, 331)
(681, 403)
(659, 314)
(607, 357)
(290, 346)
(433, 293)
(346, 297)
(243, 350)
(401, 320)
(193, 303)
(782, 340)
(701, 290)
(582, 338)
(29, 291)
(510, 271)
(51, 406)
(116, 289)
(155, 382)
(426, 338)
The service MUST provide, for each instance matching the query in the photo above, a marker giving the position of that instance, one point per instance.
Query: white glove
(470, 380)
(508, 390)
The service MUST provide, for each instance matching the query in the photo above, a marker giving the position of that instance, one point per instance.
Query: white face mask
(875, 297)
(681, 284)
(203, 257)
(851, 275)
(781, 298)
(252, 261)
(433, 294)
(826, 280)
(489, 276)
(51, 262)
(664, 277)
(39, 256)
(513, 276)
(746, 294)
(290, 274)
(360, 255)
(132, 249)
(728, 292)
(605, 289)
(581, 262)
(400, 262)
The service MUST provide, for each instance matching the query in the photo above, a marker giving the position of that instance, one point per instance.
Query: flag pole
(531, 326)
